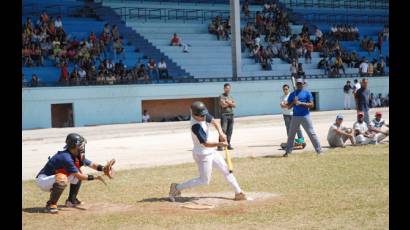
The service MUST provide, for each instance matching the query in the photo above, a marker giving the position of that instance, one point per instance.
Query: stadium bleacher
(207, 56)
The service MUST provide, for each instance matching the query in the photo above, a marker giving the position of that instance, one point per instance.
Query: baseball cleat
(240, 196)
(52, 208)
(173, 192)
(74, 203)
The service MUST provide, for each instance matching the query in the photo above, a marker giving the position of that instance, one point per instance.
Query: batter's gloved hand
(108, 170)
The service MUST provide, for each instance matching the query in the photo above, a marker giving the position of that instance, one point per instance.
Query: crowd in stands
(221, 28)
(345, 32)
(96, 58)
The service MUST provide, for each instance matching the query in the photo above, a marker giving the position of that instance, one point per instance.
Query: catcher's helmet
(199, 109)
(75, 139)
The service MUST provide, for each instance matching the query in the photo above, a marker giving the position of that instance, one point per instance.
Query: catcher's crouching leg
(72, 200)
(56, 191)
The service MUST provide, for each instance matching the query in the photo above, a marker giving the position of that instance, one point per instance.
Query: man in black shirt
(347, 93)
(362, 98)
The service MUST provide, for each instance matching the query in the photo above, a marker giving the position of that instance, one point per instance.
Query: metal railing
(352, 4)
(189, 80)
(165, 14)
(334, 18)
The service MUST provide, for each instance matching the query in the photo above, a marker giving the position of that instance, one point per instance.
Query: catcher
(64, 168)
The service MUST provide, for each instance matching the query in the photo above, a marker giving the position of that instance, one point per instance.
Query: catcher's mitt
(108, 170)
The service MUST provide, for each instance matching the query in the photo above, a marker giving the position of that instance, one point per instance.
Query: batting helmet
(75, 139)
(198, 108)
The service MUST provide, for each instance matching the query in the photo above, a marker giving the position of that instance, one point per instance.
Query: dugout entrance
(176, 109)
(62, 115)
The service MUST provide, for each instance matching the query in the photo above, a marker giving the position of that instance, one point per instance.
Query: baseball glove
(108, 170)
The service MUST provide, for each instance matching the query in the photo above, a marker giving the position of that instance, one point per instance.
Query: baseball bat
(292, 79)
(228, 160)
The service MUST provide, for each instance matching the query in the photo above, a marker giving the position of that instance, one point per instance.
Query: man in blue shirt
(64, 168)
(301, 101)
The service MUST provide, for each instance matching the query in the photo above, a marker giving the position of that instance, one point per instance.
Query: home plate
(206, 201)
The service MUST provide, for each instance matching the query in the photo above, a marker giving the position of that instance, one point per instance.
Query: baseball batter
(205, 154)
(64, 168)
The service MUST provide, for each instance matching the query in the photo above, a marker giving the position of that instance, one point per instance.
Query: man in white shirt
(145, 117)
(58, 23)
(162, 69)
(361, 131)
(319, 33)
(375, 127)
(363, 68)
(287, 113)
(338, 134)
(82, 74)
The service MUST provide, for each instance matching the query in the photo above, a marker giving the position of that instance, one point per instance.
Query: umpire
(301, 101)
(227, 104)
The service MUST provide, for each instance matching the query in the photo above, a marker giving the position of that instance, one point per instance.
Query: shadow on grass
(181, 199)
(260, 146)
(61, 208)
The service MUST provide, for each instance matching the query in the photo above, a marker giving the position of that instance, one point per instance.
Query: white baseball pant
(379, 137)
(205, 163)
(347, 101)
(45, 182)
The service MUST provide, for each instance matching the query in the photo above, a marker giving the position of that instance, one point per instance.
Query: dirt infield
(156, 144)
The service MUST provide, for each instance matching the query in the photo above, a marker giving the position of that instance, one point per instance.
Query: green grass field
(344, 189)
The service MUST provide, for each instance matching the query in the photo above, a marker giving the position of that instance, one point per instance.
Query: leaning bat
(228, 160)
(292, 79)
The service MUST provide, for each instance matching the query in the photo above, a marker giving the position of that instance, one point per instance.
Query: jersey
(63, 162)
(378, 124)
(362, 127)
(332, 134)
(303, 96)
(200, 133)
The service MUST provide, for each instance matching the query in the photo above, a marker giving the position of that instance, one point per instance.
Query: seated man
(175, 41)
(338, 134)
(361, 131)
(375, 128)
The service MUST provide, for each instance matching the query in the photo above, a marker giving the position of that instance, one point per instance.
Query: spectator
(379, 100)
(339, 65)
(34, 80)
(118, 49)
(376, 126)
(356, 86)
(287, 113)
(115, 32)
(308, 54)
(26, 52)
(363, 68)
(370, 69)
(362, 100)
(370, 46)
(294, 69)
(82, 75)
(142, 73)
(162, 69)
(318, 34)
(175, 41)
(386, 32)
(338, 134)
(301, 73)
(347, 94)
(152, 70)
(379, 43)
(361, 131)
(64, 73)
(245, 8)
(58, 24)
(146, 117)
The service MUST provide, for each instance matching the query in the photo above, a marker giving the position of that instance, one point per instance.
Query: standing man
(287, 113)
(227, 104)
(346, 89)
(301, 101)
(362, 99)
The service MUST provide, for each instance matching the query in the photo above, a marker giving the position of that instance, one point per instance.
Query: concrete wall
(94, 105)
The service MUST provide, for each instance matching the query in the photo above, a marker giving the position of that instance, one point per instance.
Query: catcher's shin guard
(57, 189)
(74, 188)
